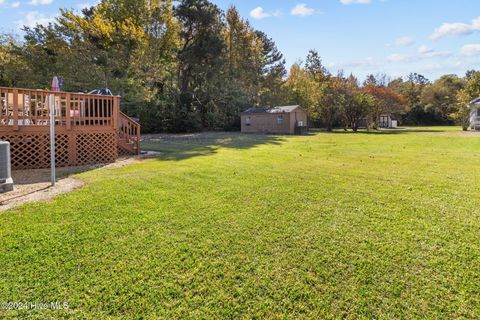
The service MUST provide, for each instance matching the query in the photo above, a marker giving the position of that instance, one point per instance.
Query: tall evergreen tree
(273, 72)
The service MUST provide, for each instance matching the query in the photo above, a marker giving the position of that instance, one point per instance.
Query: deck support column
(116, 111)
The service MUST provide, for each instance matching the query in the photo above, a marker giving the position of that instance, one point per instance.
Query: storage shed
(388, 121)
(285, 119)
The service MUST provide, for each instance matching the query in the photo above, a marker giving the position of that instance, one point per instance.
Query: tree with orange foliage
(386, 101)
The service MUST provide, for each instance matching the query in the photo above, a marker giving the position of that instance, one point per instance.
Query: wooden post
(138, 140)
(15, 109)
(116, 111)
(67, 110)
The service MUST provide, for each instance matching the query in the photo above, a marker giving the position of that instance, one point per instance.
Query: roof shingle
(279, 109)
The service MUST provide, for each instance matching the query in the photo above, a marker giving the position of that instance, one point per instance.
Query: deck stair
(128, 135)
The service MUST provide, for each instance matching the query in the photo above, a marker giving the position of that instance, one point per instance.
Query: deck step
(128, 135)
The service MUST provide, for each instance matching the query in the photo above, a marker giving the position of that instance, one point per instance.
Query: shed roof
(280, 109)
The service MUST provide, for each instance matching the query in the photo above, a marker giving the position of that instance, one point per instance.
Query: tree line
(191, 66)
(344, 101)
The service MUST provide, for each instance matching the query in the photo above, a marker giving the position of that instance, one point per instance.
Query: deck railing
(129, 133)
(30, 108)
(88, 128)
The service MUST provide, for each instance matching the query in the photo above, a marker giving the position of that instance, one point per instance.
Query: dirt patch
(34, 192)
(34, 185)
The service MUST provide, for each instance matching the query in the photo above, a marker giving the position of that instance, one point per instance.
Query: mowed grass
(338, 225)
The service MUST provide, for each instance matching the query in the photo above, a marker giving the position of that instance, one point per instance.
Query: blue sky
(396, 37)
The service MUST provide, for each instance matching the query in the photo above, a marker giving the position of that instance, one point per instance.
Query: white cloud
(397, 57)
(404, 41)
(259, 14)
(424, 50)
(302, 10)
(439, 54)
(423, 53)
(346, 2)
(33, 18)
(40, 2)
(470, 50)
(5, 4)
(456, 29)
(452, 29)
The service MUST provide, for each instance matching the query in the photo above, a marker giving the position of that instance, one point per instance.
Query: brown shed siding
(298, 115)
(268, 122)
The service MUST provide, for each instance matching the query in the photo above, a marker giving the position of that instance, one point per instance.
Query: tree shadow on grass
(386, 131)
(183, 146)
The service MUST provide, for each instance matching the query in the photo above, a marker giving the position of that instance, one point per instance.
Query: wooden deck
(89, 129)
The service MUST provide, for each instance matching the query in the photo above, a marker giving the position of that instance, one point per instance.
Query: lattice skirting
(32, 150)
(123, 152)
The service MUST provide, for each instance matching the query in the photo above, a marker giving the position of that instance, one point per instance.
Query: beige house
(475, 114)
(287, 120)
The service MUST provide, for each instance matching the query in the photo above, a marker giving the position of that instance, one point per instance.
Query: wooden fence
(88, 128)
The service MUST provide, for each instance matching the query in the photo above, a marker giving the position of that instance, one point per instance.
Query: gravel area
(34, 185)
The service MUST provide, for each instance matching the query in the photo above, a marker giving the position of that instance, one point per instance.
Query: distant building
(286, 120)
(387, 121)
(475, 114)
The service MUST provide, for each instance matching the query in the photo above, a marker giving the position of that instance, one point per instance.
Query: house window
(248, 121)
(280, 119)
(478, 112)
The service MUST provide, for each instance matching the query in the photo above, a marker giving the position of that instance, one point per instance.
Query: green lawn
(339, 225)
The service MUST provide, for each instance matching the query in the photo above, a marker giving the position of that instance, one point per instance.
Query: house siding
(475, 119)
